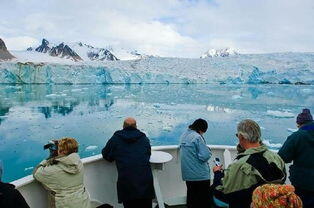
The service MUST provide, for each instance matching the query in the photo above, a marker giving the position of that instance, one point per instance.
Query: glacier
(276, 68)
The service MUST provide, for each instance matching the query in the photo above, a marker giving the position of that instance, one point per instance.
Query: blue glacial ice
(277, 68)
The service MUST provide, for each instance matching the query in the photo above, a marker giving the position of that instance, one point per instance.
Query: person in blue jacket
(299, 148)
(131, 150)
(194, 165)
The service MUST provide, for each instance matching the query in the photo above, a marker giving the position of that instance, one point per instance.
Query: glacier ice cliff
(277, 68)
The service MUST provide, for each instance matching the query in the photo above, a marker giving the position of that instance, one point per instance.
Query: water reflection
(30, 115)
(3, 111)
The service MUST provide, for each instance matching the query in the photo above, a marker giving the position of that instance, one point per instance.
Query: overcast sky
(182, 28)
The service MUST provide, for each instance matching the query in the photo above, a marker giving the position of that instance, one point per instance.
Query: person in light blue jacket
(194, 155)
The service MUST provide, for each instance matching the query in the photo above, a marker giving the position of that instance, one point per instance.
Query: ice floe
(271, 145)
(280, 114)
(91, 147)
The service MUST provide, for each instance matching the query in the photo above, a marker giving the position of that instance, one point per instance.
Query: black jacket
(299, 148)
(130, 149)
(10, 197)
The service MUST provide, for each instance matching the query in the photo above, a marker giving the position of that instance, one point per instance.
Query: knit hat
(275, 195)
(304, 117)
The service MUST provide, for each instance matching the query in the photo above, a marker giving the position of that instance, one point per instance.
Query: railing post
(227, 158)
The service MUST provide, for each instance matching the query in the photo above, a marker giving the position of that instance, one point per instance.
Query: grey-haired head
(250, 130)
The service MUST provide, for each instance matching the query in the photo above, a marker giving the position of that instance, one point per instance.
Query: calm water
(31, 115)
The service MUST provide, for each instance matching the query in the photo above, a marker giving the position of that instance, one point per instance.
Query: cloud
(252, 25)
(181, 28)
(20, 43)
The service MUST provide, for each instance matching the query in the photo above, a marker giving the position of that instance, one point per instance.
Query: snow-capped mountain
(4, 53)
(79, 51)
(222, 52)
(91, 53)
(62, 50)
(125, 54)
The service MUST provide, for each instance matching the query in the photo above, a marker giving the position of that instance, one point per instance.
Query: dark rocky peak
(44, 47)
(85, 45)
(102, 55)
(135, 53)
(30, 49)
(45, 42)
(64, 51)
(2, 45)
(4, 53)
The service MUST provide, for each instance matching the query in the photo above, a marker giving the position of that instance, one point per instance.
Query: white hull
(101, 177)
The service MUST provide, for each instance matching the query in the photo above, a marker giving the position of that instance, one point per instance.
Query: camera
(53, 148)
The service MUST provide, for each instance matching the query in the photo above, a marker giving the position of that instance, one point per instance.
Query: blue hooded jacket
(194, 157)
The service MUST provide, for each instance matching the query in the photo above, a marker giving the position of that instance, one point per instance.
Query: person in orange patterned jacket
(275, 196)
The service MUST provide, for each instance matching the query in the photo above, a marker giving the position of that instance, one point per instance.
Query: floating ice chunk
(236, 97)
(272, 145)
(57, 127)
(51, 95)
(280, 114)
(29, 168)
(91, 147)
(306, 90)
(167, 128)
(210, 108)
(263, 128)
(292, 130)
(76, 90)
(156, 106)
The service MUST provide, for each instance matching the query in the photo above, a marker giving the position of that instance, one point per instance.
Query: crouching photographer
(62, 175)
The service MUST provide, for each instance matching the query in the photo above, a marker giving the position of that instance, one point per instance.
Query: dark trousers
(198, 194)
(307, 197)
(138, 203)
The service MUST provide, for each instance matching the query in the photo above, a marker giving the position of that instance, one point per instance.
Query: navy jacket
(130, 149)
(299, 148)
(10, 197)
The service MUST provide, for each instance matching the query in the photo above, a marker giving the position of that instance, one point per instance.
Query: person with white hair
(9, 196)
(252, 168)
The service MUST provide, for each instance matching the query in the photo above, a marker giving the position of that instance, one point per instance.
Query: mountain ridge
(4, 53)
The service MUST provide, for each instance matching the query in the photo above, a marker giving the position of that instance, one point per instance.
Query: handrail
(29, 179)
